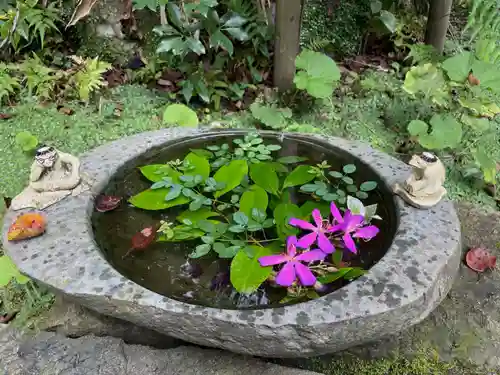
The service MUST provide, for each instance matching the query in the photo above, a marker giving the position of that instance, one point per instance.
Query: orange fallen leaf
(27, 226)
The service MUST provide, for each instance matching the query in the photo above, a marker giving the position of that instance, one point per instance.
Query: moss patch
(425, 362)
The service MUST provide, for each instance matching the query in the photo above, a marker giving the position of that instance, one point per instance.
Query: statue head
(46, 156)
(423, 160)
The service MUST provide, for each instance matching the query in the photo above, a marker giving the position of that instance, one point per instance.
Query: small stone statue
(54, 175)
(424, 188)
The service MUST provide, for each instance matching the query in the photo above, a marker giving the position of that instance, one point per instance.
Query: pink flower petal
(317, 218)
(306, 241)
(291, 246)
(324, 244)
(287, 275)
(336, 228)
(366, 233)
(336, 213)
(305, 275)
(349, 243)
(311, 256)
(272, 260)
(353, 222)
(294, 222)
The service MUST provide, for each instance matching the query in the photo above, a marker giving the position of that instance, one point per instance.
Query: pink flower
(318, 232)
(354, 224)
(293, 267)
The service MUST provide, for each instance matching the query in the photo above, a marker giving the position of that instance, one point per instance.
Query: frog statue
(424, 187)
(54, 175)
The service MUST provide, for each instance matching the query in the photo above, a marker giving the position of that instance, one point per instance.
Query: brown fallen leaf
(5, 116)
(474, 81)
(67, 111)
(105, 203)
(141, 240)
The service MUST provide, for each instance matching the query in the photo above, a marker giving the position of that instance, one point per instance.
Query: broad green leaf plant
(465, 90)
(234, 201)
(317, 75)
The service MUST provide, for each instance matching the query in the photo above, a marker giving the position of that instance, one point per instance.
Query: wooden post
(287, 42)
(437, 23)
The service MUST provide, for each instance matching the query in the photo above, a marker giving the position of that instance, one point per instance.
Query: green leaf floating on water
(195, 216)
(157, 172)
(9, 271)
(282, 215)
(347, 273)
(254, 197)
(200, 164)
(291, 159)
(265, 176)
(231, 175)
(307, 208)
(246, 273)
(300, 175)
(155, 200)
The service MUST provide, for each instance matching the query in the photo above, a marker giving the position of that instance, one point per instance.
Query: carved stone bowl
(400, 290)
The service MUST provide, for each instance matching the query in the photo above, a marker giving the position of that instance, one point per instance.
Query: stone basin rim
(391, 284)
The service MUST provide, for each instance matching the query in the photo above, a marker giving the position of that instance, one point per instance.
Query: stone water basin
(411, 266)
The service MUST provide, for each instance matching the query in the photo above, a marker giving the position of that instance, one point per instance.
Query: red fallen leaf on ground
(479, 259)
(141, 240)
(107, 203)
(27, 226)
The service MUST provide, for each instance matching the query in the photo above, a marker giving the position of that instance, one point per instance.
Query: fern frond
(488, 50)
(317, 44)
(484, 18)
(89, 78)
(8, 83)
(422, 53)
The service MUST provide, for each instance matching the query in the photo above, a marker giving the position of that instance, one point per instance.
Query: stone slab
(399, 291)
(51, 354)
(71, 320)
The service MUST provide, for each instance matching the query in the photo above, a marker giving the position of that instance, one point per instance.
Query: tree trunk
(287, 42)
(437, 23)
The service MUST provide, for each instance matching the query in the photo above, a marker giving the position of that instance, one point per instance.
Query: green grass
(376, 118)
(77, 133)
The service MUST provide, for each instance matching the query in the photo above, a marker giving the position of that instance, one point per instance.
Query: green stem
(29, 294)
(35, 290)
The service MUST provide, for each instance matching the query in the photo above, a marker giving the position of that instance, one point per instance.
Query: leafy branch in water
(239, 205)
